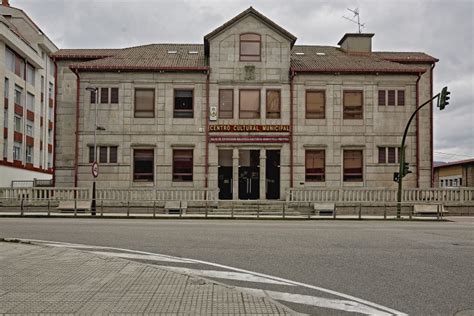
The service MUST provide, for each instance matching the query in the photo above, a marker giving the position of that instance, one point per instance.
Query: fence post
(154, 208)
(21, 206)
(128, 207)
(206, 206)
(385, 211)
(334, 212)
(102, 208)
(437, 211)
(309, 210)
(75, 203)
(232, 210)
(410, 211)
(49, 210)
(360, 210)
(284, 210)
(258, 211)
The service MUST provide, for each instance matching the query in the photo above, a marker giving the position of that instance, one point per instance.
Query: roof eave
(84, 68)
(358, 71)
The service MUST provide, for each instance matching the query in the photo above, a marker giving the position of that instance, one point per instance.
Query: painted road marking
(343, 305)
(238, 276)
(309, 286)
(138, 256)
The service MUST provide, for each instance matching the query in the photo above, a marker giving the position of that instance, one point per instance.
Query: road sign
(95, 169)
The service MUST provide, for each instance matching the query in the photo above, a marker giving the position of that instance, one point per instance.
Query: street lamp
(94, 165)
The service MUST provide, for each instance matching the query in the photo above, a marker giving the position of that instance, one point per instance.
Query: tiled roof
(151, 57)
(406, 57)
(332, 59)
(454, 163)
(85, 53)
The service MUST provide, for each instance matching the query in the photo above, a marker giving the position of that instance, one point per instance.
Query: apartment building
(454, 174)
(247, 112)
(27, 77)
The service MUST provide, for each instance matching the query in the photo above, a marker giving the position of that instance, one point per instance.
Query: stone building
(248, 112)
(28, 84)
(454, 174)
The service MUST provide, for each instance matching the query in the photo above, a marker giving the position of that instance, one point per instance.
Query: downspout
(292, 75)
(76, 155)
(206, 156)
(25, 117)
(54, 119)
(417, 132)
(431, 124)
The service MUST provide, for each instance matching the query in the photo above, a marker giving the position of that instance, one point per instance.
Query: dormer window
(250, 47)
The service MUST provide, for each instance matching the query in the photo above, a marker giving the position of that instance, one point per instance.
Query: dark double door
(272, 171)
(249, 174)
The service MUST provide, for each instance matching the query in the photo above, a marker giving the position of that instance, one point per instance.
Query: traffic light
(443, 100)
(396, 176)
(406, 169)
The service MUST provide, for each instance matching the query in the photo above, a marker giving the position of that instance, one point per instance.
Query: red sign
(249, 128)
(249, 139)
(95, 169)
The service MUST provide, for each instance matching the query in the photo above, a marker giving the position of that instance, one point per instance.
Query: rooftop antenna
(356, 14)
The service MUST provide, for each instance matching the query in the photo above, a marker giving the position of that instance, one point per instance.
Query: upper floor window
(315, 104)
(6, 88)
(182, 165)
(273, 104)
(30, 74)
(143, 161)
(250, 47)
(226, 103)
(391, 97)
(106, 96)
(314, 165)
(183, 103)
(30, 102)
(249, 104)
(144, 103)
(10, 60)
(388, 155)
(353, 166)
(353, 105)
(18, 95)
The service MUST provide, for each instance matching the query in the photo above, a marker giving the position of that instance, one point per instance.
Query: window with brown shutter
(250, 47)
(391, 155)
(226, 103)
(353, 105)
(182, 165)
(144, 103)
(353, 166)
(382, 156)
(113, 154)
(249, 104)
(273, 104)
(114, 95)
(315, 104)
(104, 95)
(315, 166)
(382, 97)
(401, 97)
(391, 97)
(103, 154)
(183, 103)
(93, 96)
(143, 161)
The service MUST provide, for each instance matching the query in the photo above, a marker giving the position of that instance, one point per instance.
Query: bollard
(360, 211)
(102, 208)
(49, 210)
(154, 209)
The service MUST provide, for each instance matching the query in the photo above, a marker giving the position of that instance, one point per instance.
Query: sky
(442, 28)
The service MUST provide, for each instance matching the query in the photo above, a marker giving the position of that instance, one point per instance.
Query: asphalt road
(420, 268)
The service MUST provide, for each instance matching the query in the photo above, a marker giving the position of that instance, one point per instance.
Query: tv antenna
(356, 14)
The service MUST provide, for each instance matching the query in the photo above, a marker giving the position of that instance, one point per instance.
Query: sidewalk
(38, 279)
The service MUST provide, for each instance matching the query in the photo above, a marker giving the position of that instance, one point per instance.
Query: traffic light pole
(402, 158)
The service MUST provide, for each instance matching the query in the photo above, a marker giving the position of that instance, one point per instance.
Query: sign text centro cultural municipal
(249, 128)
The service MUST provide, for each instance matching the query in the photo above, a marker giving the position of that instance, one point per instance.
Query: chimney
(356, 43)
(5, 3)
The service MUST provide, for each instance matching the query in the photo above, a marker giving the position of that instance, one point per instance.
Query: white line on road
(309, 286)
(138, 256)
(343, 305)
(225, 275)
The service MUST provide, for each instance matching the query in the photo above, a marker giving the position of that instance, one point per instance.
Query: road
(417, 268)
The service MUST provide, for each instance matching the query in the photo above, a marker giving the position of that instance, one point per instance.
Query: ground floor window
(314, 166)
(143, 161)
(182, 165)
(353, 166)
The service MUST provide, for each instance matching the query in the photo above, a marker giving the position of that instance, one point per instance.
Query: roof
(354, 35)
(454, 163)
(305, 58)
(255, 13)
(85, 53)
(153, 57)
(406, 57)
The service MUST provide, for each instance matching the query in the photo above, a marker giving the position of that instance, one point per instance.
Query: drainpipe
(417, 133)
(292, 75)
(25, 116)
(54, 118)
(206, 156)
(431, 124)
(76, 155)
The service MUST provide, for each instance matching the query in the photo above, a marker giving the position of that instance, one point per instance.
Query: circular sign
(95, 169)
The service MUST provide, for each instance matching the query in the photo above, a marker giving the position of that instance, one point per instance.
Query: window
(51, 67)
(50, 136)
(16, 151)
(391, 97)
(29, 154)
(144, 103)
(30, 128)
(388, 155)
(5, 118)
(93, 96)
(353, 105)
(250, 47)
(143, 165)
(5, 148)
(18, 123)
(183, 165)
(30, 102)
(6, 88)
(249, 104)
(273, 104)
(19, 67)
(51, 91)
(315, 166)
(113, 154)
(107, 154)
(102, 154)
(226, 103)
(104, 95)
(114, 95)
(315, 104)
(91, 154)
(50, 160)
(352, 165)
(18, 95)
(50, 114)
(30, 74)
(183, 104)
(10, 60)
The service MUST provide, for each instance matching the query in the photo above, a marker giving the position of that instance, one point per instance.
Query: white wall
(7, 174)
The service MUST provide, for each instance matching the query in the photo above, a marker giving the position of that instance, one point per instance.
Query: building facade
(247, 112)
(454, 174)
(28, 84)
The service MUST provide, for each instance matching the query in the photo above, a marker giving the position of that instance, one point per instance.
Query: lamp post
(95, 165)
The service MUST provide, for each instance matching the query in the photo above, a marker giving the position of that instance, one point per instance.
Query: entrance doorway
(272, 171)
(249, 174)
(225, 174)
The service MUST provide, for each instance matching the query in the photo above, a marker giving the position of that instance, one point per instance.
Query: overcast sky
(443, 29)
